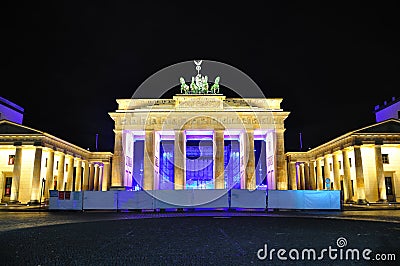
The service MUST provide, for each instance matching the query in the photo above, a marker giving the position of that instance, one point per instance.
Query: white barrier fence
(248, 199)
(304, 199)
(198, 199)
(60, 200)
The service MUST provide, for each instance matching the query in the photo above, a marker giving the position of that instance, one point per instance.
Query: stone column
(380, 175)
(320, 179)
(78, 176)
(36, 182)
(293, 178)
(359, 175)
(148, 161)
(86, 170)
(101, 176)
(70, 173)
(16, 174)
(327, 170)
(347, 177)
(250, 166)
(307, 175)
(91, 176)
(118, 161)
(106, 177)
(313, 179)
(60, 171)
(336, 171)
(302, 178)
(179, 159)
(280, 170)
(219, 178)
(96, 177)
(49, 174)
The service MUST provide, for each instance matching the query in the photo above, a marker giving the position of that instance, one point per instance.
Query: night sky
(66, 62)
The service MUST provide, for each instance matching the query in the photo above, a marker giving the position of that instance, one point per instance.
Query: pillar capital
(59, 152)
(48, 149)
(347, 149)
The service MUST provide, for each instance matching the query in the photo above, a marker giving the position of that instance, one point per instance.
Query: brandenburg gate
(199, 139)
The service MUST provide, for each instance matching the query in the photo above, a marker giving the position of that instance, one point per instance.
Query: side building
(11, 111)
(389, 109)
(364, 164)
(33, 162)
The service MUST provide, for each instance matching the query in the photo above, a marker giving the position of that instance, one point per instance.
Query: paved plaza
(199, 238)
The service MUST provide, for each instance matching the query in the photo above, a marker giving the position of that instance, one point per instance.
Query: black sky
(66, 62)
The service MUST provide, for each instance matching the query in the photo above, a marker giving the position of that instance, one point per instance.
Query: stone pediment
(388, 126)
(11, 128)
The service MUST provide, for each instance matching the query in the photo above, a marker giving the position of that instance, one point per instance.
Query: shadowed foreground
(192, 241)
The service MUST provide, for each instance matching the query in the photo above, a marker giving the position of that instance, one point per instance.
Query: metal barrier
(193, 198)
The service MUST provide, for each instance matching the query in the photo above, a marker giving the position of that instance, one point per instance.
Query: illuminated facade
(33, 162)
(199, 141)
(364, 164)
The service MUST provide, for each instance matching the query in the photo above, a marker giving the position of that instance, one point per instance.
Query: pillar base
(350, 201)
(14, 202)
(362, 202)
(123, 188)
(382, 201)
(34, 202)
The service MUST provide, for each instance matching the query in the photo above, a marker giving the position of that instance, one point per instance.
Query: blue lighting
(232, 164)
(199, 164)
(261, 163)
(167, 164)
(137, 175)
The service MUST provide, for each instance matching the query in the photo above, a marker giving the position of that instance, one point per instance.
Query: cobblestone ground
(76, 238)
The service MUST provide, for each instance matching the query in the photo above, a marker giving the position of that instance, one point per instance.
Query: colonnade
(337, 171)
(55, 170)
(247, 167)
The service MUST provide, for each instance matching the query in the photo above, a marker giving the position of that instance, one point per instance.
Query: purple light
(199, 132)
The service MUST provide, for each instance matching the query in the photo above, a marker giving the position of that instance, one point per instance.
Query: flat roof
(11, 105)
(386, 104)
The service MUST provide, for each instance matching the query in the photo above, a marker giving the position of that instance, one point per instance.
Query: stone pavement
(30, 235)
(211, 239)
